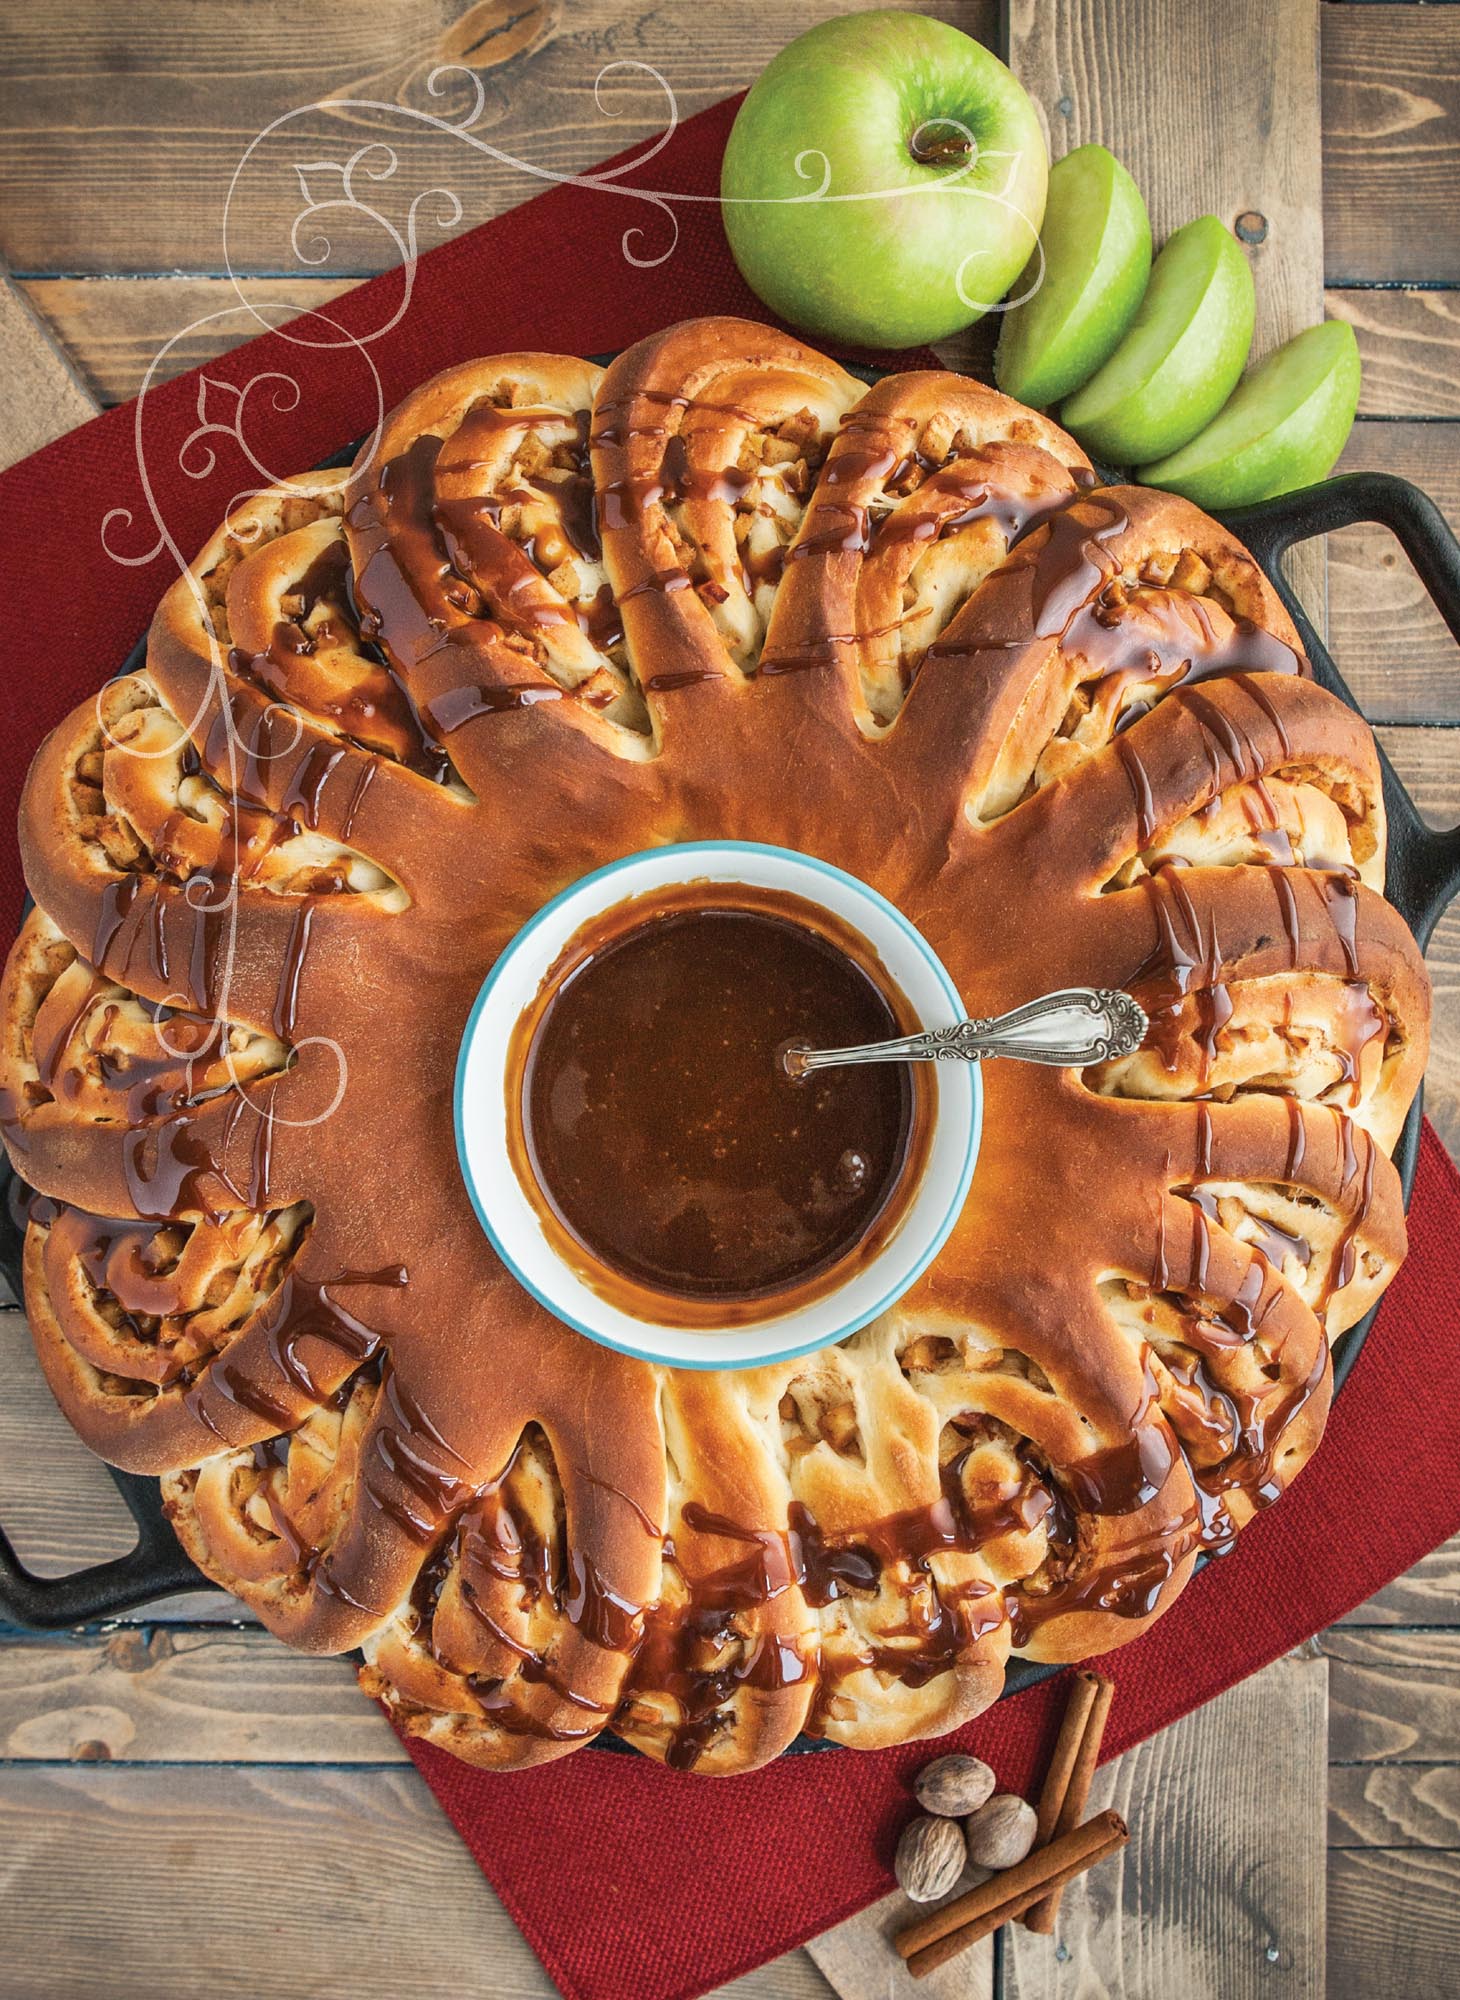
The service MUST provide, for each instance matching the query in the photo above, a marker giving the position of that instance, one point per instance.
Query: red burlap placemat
(632, 1882)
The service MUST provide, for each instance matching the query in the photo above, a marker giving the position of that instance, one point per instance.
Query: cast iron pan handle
(1423, 873)
(156, 1567)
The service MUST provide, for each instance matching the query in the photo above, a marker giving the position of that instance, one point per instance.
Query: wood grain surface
(1391, 1923)
(858, 1961)
(184, 1763)
(249, 1880)
(1394, 1805)
(135, 179)
(1410, 344)
(1232, 128)
(1391, 144)
(155, 1695)
(1219, 1893)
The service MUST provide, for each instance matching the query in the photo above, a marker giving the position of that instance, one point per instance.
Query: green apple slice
(1283, 427)
(1181, 358)
(1097, 257)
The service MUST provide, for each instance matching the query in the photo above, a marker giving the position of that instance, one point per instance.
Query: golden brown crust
(928, 483)
(550, 618)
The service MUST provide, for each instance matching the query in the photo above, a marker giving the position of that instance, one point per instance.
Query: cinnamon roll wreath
(559, 615)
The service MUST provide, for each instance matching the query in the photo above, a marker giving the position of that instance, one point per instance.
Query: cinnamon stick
(932, 1956)
(1041, 1915)
(1021, 1885)
(1083, 1687)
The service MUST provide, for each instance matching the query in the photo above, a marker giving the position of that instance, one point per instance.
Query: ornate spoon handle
(1067, 1030)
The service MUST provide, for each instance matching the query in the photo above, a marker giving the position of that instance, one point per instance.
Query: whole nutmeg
(930, 1858)
(953, 1786)
(1001, 1832)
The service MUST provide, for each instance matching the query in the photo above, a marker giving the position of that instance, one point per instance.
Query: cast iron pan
(1423, 876)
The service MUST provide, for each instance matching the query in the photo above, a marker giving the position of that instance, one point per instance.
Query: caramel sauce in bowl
(634, 1146)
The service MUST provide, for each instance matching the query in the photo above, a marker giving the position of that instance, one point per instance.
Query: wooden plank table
(190, 1808)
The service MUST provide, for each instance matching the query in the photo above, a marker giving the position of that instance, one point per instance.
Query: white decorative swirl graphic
(331, 191)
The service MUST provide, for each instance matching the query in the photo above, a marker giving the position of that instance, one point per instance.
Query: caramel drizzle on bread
(554, 615)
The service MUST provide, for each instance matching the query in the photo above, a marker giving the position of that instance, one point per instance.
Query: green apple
(1096, 241)
(1182, 356)
(884, 181)
(1284, 426)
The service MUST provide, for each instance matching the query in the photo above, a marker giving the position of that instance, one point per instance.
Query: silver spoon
(1079, 1025)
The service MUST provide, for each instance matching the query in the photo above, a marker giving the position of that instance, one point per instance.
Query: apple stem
(930, 148)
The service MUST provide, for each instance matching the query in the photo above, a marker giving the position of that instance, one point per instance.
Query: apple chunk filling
(142, 796)
(515, 510)
(1273, 821)
(733, 506)
(148, 1305)
(1308, 1035)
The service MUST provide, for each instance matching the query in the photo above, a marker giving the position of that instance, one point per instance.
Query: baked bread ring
(555, 615)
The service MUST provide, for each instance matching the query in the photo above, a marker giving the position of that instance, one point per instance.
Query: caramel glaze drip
(131, 1265)
(622, 504)
(1074, 591)
(1074, 562)
(844, 526)
(471, 528)
(1077, 598)
(131, 925)
(420, 1496)
(1358, 1179)
(376, 710)
(854, 527)
(497, 1545)
(1184, 962)
(616, 425)
(130, 1262)
(1276, 1243)
(669, 1639)
(1238, 1435)
(131, 935)
(245, 840)
(1255, 1422)
(166, 1161)
(165, 1165)
(1175, 642)
(300, 1311)
(161, 1087)
(447, 544)
(1117, 1479)
(675, 1636)
(1246, 1426)
(409, 1448)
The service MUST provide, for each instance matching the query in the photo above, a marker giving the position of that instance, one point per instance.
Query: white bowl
(513, 1222)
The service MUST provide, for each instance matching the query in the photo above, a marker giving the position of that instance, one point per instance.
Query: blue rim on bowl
(509, 1218)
